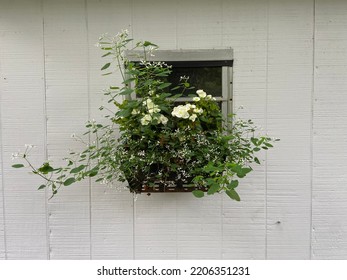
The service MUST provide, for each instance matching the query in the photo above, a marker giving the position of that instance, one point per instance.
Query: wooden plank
(155, 215)
(199, 224)
(199, 25)
(66, 56)
(329, 217)
(289, 100)
(2, 206)
(111, 210)
(22, 121)
(245, 30)
(155, 21)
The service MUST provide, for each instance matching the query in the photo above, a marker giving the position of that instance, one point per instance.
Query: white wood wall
(290, 75)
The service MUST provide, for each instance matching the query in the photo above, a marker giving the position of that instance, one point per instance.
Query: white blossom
(201, 93)
(198, 110)
(135, 112)
(163, 119)
(193, 117)
(196, 99)
(151, 107)
(146, 119)
(181, 111)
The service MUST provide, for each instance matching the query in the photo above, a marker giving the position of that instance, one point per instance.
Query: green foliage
(160, 142)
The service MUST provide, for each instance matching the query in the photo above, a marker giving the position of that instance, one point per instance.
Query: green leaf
(213, 189)
(69, 181)
(45, 168)
(93, 173)
(106, 54)
(268, 145)
(256, 160)
(254, 141)
(243, 172)
(198, 193)
(147, 43)
(233, 184)
(109, 73)
(41, 187)
(126, 91)
(233, 195)
(19, 165)
(77, 169)
(164, 85)
(106, 66)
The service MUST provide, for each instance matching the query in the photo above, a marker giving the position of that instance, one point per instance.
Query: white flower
(155, 109)
(146, 119)
(198, 110)
(135, 112)
(181, 111)
(209, 96)
(193, 117)
(15, 156)
(201, 93)
(163, 119)
(151, 107)
(190, 106)
(196, 99)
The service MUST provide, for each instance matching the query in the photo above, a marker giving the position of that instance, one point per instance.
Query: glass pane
(207, 78)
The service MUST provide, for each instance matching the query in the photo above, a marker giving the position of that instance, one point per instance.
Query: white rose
(201, 93)
(180, 112)
(209, 96)
(196, 99)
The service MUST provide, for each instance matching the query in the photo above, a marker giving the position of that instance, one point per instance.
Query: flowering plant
(163, 143)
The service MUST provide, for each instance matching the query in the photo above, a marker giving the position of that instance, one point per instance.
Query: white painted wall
(290, 75)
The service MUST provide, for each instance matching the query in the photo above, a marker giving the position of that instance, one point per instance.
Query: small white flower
(196, 99)
(135, 112)
(198, 110)
(193, 117)
(15, 156)
(209, 96)
(146, 119)
(151, 107)
(201, 93)
(189, 106)
(163, 119)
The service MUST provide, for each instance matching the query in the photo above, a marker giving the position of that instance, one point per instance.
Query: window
(210, 70)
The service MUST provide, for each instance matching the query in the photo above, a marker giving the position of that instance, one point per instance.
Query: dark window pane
(207, 78)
